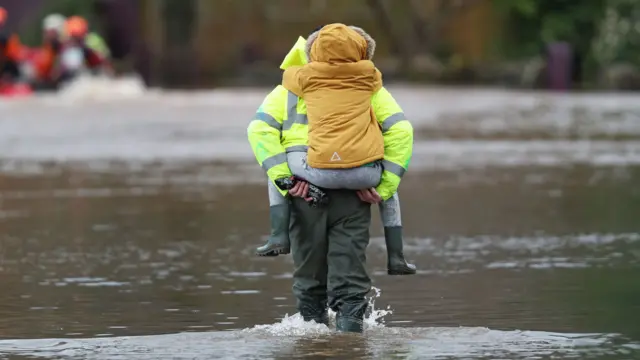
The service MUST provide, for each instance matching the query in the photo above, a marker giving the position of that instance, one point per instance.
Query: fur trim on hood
(371, 44)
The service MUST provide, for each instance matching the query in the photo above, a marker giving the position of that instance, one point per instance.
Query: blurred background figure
(10, 52)
(83, 50)
(53, 28)
(47, 55)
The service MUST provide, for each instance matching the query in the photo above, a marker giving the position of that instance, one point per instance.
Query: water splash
(375, 318)
(102, 88)
(295, 325)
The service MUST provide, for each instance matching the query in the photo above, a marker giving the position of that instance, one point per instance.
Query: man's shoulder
(279, 93)
(381, 92)
(274, 102)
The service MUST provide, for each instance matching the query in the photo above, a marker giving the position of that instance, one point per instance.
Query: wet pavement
(127, 227)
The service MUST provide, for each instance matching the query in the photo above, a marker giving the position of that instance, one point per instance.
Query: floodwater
(127, 226)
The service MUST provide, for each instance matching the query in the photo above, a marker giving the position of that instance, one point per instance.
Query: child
(337, 85)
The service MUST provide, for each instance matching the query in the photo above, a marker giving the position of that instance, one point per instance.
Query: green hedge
(602, 32)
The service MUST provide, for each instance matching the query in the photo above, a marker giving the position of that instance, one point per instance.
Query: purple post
(121, 21)
(559, 66)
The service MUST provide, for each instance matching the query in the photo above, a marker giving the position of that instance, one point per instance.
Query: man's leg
(308, 235)
(349, 282)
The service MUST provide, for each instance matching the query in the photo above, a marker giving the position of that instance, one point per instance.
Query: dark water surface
(515, 263)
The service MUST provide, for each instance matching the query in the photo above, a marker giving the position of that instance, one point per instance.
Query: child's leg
(392, 222)
(353, 179)
(278, 242)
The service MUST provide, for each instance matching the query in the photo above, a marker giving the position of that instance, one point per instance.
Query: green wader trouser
(329, 253)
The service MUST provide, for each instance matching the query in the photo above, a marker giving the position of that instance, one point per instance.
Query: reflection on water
(88, 260)
(406, 343)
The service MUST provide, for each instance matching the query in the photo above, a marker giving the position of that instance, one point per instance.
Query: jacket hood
(296, 56)
(300, 52)
(337, 43)
(340, 43)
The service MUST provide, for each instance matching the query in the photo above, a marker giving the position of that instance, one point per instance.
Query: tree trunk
(398, 44)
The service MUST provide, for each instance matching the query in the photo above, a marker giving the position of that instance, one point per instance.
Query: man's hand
(370, 196)
(301, 189)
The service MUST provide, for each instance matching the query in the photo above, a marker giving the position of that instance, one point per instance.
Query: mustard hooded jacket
(337, 85)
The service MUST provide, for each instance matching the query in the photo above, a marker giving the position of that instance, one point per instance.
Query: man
(46, 59)
(10, 52)
(328, 243)
(96, 52)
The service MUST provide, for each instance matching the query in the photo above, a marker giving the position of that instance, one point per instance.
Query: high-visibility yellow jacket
(280, 126)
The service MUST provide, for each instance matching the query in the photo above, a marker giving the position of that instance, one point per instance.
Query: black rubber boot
(350, 316)
(278, 242)
(315, 313)
(396, 264)
(349, 324)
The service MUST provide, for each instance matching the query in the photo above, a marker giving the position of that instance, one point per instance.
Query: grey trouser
(358, 178)
(329, 254)
(354, 179)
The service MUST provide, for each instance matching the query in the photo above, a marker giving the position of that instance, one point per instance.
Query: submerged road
(128, 220)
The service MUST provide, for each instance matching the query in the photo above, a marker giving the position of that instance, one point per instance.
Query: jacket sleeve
(96, 43)
(398, 142)
(264, 135)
